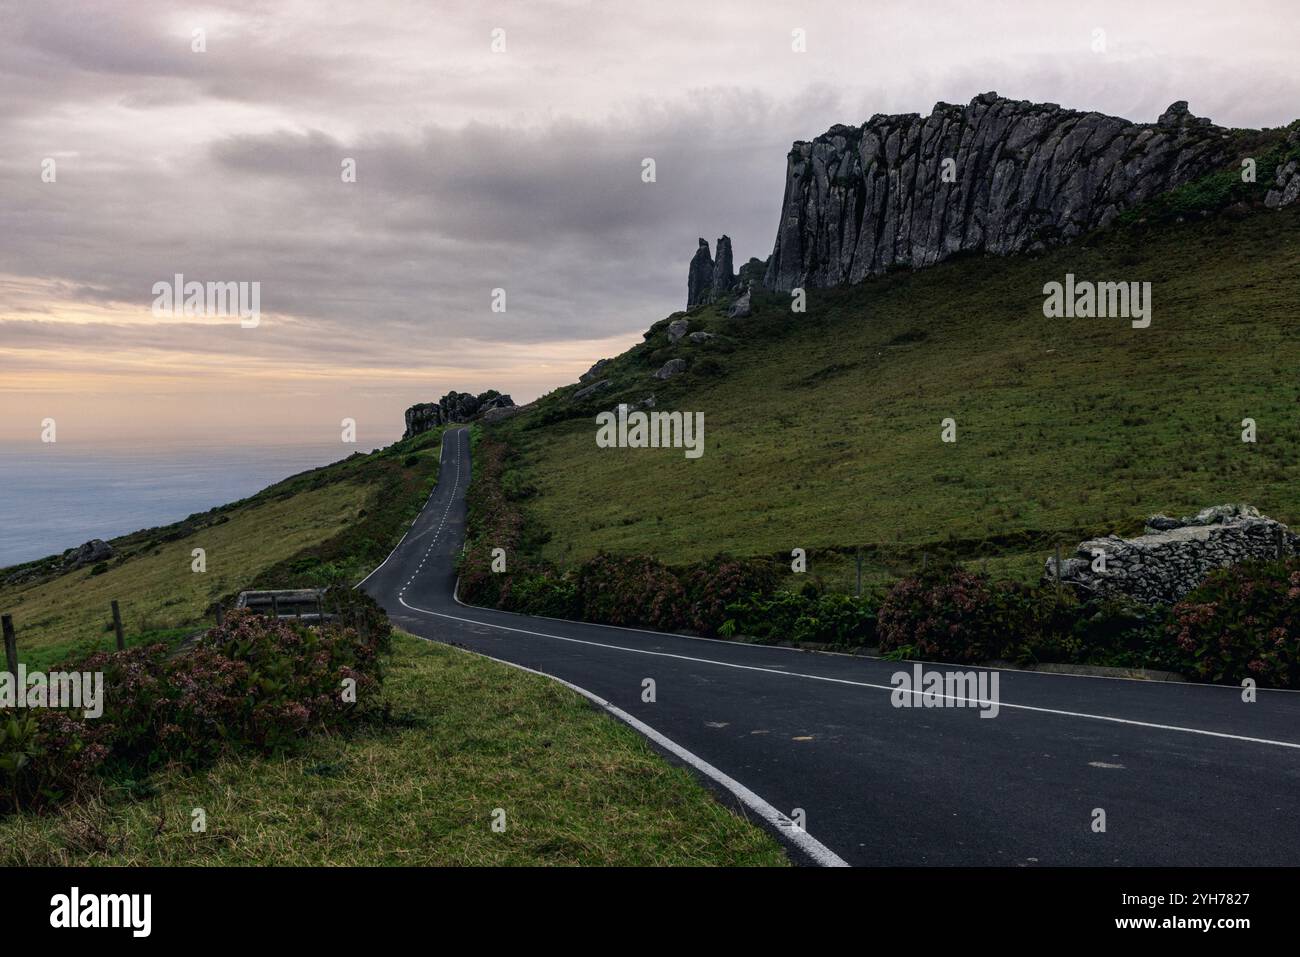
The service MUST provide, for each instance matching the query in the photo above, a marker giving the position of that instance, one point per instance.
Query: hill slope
(326, 525)
(823, 430)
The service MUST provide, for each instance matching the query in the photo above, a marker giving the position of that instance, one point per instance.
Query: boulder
(701, 337)
(591, 390)
(594, 371)
(741, 308)
(671, 368)
(91, 553)
(1173, 556)
(677, 329)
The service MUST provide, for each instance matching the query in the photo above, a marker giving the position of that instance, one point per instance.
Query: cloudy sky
(475, 170)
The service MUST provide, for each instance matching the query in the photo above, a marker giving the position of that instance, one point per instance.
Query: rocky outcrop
(742, 307)
(723, 276)
(1173, 555)
(699, 278)
(591, 390)
(1286, 185)
(998, 176)
(709, 280)
(452, 407)
(595, 370)
(92, 553)
(671, 368)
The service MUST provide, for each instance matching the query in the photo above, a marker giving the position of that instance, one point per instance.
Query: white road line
(860, 684)
(784, 825)
(432, 493)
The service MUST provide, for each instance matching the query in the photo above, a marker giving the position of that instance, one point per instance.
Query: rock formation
(708, 279)
(997, 175)
(91, 553)
(742, 307)
(594, 371)
(452, 407)
(591, 390)
(1286, 186)
(1173, 555)
(699, 279)
(671, 368)
(723, 276)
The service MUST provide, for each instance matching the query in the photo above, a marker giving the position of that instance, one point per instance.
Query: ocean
(56, 496)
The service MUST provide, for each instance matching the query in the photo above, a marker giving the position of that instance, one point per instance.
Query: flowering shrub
(945, 614)
(1243, 621)
(254, 681)
(633, 590)
(712, 586)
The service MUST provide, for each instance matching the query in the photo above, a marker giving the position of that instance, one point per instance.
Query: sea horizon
(60, 495)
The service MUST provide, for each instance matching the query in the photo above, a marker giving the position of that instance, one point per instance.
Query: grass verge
(464, 736)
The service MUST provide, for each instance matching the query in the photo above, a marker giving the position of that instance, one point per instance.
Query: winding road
(812, 747)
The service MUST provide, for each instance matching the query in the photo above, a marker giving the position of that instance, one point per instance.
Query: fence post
(117, 627)
(859, 558)
(11, 646)
(1281, 543)
(1058, 572)
(924, 558)
(275, 606)
(221, 614)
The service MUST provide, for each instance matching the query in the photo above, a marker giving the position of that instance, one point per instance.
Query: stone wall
(1173, 556)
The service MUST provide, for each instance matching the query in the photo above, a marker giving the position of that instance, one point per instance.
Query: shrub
(804, 616)
(947, 613)
(253, 681)
(633, 590)
(712, 586)
(541, 593)
(1242, 621)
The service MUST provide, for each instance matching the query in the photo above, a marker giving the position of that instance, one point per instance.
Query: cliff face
(997, 175)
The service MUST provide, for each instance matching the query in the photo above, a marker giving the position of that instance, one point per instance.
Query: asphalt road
(1185, 774)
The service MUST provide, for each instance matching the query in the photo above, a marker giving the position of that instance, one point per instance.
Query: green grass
(330, 524)
(466, 736)
(823, 430)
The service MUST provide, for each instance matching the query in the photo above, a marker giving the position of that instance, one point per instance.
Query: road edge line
(785, 827)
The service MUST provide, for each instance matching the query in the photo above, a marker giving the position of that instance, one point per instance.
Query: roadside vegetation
(823, 433)
(452, 738)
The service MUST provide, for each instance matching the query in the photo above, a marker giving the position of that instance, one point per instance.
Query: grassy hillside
(823, 430)
(466, 736)
(325, 525)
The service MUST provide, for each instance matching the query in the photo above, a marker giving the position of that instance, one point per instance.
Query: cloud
(478, 170)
